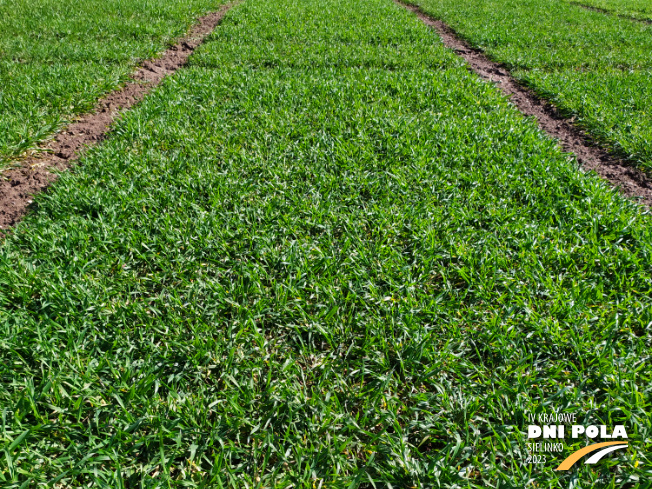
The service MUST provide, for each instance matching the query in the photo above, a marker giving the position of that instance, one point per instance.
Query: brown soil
(631, 181)
(18, 185)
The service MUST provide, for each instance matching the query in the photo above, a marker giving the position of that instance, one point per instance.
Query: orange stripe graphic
(574, 457)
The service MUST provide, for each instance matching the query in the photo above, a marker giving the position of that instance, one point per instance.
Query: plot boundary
(631, 181)
(608, 12)
(19, 185)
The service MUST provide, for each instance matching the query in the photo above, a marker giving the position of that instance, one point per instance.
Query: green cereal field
(325, 253)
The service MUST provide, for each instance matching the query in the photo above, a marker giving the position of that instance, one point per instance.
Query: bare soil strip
(18, 185)
(631, 181)
(607, 12)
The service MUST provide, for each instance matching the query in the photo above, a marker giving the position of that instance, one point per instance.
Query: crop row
(594, 67)
(324, 254)
(57, 57)
(635, 9)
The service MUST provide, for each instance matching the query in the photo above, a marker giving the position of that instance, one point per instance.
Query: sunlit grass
(58, 57)
(595, 68)
(636, 9)
(362, 270)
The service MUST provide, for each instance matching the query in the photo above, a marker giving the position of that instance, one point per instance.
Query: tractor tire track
(19, 185)
(631, 181)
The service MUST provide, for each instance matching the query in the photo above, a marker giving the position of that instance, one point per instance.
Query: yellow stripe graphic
(574, 457)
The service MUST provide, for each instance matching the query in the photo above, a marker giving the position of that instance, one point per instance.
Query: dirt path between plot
(608, 12)
(18, 185)
(631, 181)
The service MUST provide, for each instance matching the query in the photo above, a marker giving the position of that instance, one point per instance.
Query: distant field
(637, 9)
(58, 57)
(595, 67)
(325, 254)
